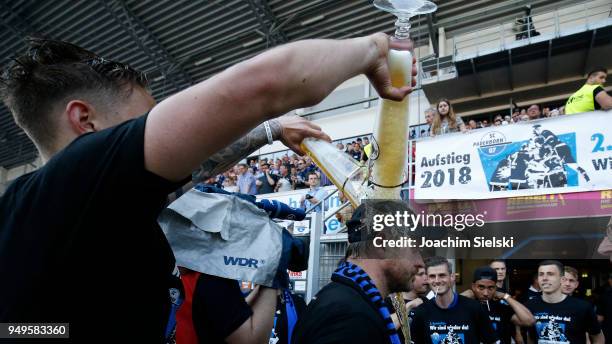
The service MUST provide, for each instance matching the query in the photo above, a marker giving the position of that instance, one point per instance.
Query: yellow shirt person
(591, 96)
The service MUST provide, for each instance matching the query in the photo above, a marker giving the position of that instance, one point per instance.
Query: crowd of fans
(591, 96)
(262, 176)
(289, 172)
(442, 119)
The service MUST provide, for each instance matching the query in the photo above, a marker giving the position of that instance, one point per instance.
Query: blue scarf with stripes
(363, 281)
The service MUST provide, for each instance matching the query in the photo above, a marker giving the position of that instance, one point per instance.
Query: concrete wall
(8, 175)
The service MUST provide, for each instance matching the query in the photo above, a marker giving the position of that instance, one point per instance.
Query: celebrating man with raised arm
(73, 233)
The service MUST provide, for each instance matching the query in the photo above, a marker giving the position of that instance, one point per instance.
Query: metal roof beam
(14, 22)
(432, 33)
(148, 43)
(510, 76)
(268, 22)
(476, 81)
(547, 77)
(587, 55)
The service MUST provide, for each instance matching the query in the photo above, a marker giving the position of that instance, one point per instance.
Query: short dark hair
(597, 70)
(311, 173)
(436, 261)
(50, 71)
(556, 263)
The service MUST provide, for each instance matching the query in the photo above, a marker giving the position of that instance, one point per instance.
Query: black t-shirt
(341, 313)
(563, 322)
(280, 321)
(392, 310)
(500, 315)
(531, 294)
(265, 185)
(463, 322)
(595, 93)
(356, 155)
(604, 308)
(218, 308)
(79, 241)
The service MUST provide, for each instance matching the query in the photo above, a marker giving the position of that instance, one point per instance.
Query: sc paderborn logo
(492, 143)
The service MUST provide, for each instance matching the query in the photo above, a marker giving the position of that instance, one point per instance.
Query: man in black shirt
(351, 308)
(69, 230)
(265, 184)
(533, 291)
(499, 265)
(504, 311)
(356, 154)
(449, 317)
(560, 318)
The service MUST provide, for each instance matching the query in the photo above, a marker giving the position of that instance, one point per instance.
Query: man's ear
(81, 116)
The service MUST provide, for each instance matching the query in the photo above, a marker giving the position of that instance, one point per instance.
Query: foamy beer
(347, 174)
(390, 144)
(389, 155)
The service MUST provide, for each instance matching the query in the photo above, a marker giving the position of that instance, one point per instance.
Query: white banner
(565, 154)
(292, 198)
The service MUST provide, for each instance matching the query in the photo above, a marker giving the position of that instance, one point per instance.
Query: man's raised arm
(189, 127)
(290, 130)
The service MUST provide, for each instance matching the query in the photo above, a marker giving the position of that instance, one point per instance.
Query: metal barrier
(563, 21)
(313, 280)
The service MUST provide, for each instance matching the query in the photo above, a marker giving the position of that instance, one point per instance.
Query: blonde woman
(445, 120)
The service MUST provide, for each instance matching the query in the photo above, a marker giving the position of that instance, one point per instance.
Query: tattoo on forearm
(240, 149)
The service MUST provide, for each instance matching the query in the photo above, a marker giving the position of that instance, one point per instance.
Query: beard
(399, 280)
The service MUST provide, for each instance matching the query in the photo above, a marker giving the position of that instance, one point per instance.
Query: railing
(437, 69)
(314, 258)
(561, 22)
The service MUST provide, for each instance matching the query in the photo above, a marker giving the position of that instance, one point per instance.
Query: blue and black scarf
(363, 281)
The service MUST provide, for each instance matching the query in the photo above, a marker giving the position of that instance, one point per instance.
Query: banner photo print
(566, 154)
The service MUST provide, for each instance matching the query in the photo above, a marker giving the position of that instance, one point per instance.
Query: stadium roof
(183, 42)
